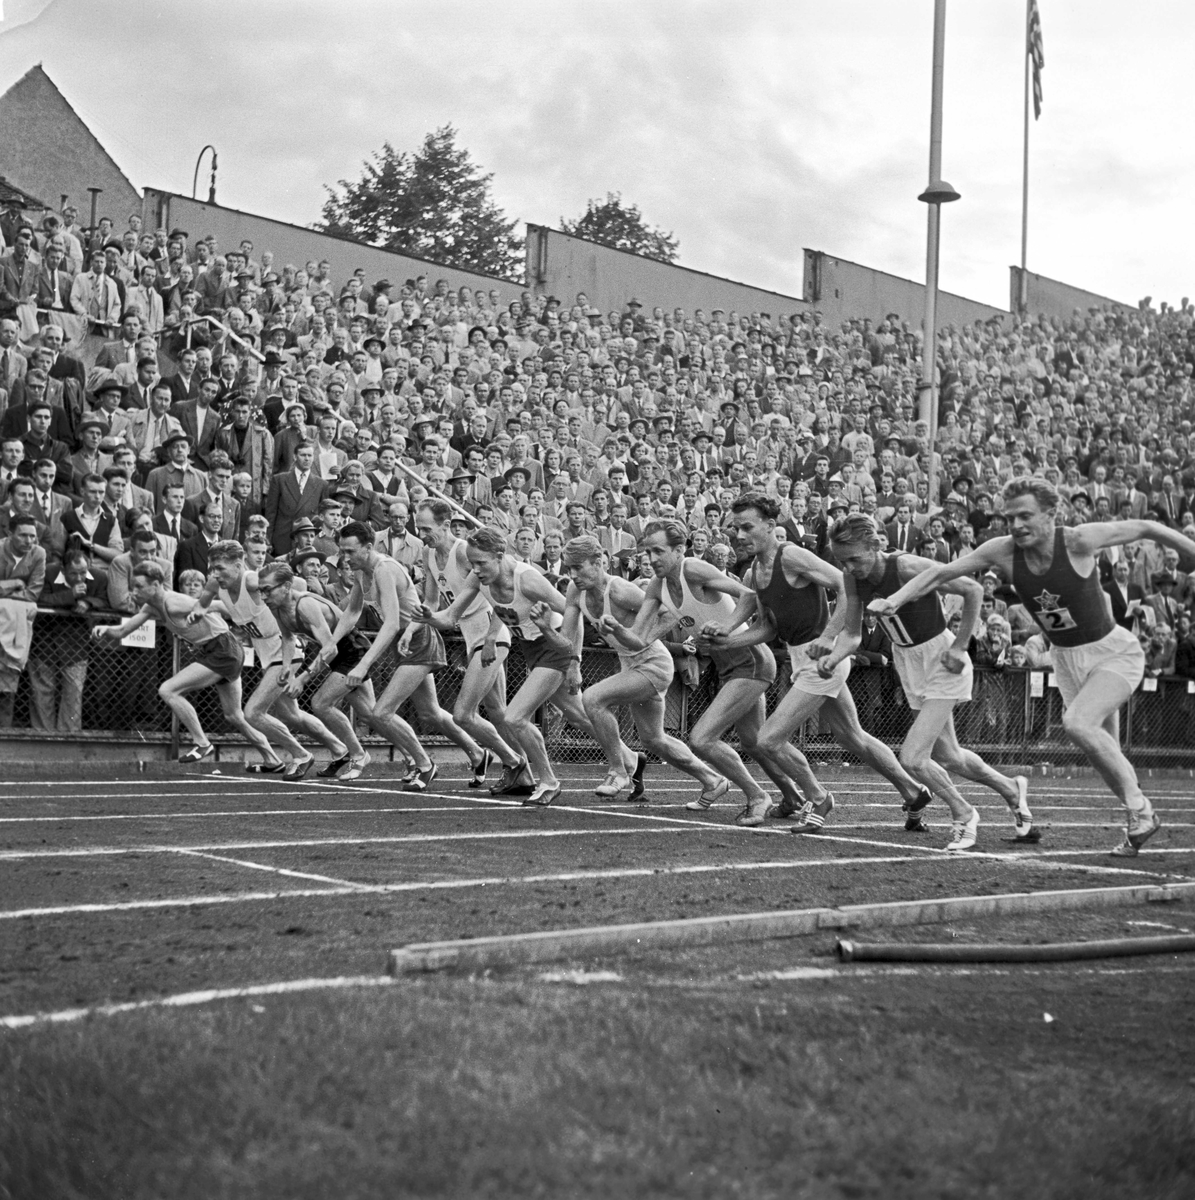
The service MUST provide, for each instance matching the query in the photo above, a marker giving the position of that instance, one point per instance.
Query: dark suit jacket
(187, 529)
(45, 292)
(1120, 607)
(191, 556)
(182, 391)
(200, 447)
(284, 504)
(112, 354)
(15, 424)
(916, 537)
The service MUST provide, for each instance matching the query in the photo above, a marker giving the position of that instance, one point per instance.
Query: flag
(1034, 49)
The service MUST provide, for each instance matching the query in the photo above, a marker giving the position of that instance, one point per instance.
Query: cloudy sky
(749, 130)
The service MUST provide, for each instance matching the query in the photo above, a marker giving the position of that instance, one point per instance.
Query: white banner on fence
(144, 638)
(1037, 684)
(1149, 684)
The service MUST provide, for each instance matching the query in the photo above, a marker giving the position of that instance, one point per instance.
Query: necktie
(3, 368)
(302, 480)
(45, 504)
(174, 528)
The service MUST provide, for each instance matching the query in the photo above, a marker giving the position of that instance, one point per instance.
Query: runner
(934, 669)
(1097, 664)
(789, 585)
(612, 606)
(514, 590)
(445, 570)
(385, 584)
(303, 617)
(691, 593)
(218, 661)
(234, 592)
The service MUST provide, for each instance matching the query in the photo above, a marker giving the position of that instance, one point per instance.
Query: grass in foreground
(455, 1087)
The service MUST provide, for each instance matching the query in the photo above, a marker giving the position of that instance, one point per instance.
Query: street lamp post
(937, 193)
(211, 192)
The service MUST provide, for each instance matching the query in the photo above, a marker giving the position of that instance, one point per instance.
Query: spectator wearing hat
(1162, 599)
(177, 470)
(293, 495)
(89, 459)
(359, 501)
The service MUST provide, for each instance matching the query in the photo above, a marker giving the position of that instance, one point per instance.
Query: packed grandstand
(160, 393)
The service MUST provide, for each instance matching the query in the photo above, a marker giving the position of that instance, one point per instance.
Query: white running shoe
(755, 812)
(965, 832)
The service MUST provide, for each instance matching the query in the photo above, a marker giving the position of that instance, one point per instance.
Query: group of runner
(503, 606)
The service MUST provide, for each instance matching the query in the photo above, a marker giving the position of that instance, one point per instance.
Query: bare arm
(125, 628)
(1098, 535)
(204, 601)
(653, 621)
(992, 555)
(448, 618)
(849, 636)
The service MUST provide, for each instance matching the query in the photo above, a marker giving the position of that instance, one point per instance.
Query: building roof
(11, 194)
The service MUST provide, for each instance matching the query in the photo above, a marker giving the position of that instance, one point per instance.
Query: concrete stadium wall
(840, 289)
(562, 265)
(294, 244)
(1056, 299)
(47, 150)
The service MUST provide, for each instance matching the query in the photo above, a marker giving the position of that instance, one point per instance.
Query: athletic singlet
(911, 624)
(450, 581)
(408, 598)
(299, 628)
(516, 615)
(1070, 608)
(208, 626)
(249, 616)
(626, 656)
(800, 613)
(694, 613)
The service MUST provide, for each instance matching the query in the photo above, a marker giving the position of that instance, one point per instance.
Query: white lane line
(173, 779)
(189, 999)
(286, 844)
(442, 885)
(249, 812)
(240, 862)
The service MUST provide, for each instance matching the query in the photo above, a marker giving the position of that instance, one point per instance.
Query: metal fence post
(175, 667)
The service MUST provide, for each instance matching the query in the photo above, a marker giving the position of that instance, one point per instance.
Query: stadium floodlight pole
(935, 195)
(1023, 283)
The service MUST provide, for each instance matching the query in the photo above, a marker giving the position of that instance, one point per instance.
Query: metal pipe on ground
(993, 952)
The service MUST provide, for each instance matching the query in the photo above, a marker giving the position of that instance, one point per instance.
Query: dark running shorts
(427, 649)
(538, 653)
(350, 650)
(748, 662)
(222, 654)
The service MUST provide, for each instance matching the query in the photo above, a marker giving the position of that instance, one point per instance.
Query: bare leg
(777, 755)
(969, 765)
(540, 685)
(324, 704)
(427, 705)
(920, 746)
(599, 701)
(229, 692)
(257, 712)
(293, 717)
(486, 685)
(648, 716)
(572, 708)
(844, 722)
(174, 694)
(389, 724)
(1093, 723)
(735, 700)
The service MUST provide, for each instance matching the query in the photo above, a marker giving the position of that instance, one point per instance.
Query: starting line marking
(438, 885)
(252, 812)
(240, 862)
(398, 839)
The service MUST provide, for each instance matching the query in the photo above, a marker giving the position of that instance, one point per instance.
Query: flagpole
(1023, 283)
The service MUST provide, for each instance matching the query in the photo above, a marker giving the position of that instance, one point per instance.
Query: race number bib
(249, 629)
(1051, 616)
(447, 596)
(894, 627)
(510, 619)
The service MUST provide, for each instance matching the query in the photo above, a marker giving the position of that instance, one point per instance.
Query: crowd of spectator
(158, 393)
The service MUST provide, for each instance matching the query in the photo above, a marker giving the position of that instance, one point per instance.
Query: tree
(434, 203)
(613, 224)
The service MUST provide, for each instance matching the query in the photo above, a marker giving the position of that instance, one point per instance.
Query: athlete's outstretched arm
(849, 637)
(1098, 535)
(992, 554)
(448, 618)
(911, 567)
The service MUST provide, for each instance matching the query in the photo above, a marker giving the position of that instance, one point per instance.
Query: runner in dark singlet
(934, 669)
(790, 585)
(1097, 664)
(308, 619)
(218, 661)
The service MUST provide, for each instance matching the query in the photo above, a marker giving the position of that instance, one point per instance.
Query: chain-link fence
(75, 685)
